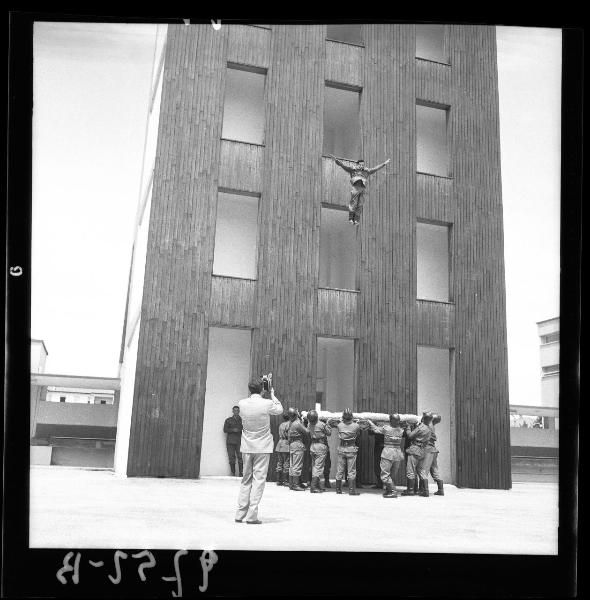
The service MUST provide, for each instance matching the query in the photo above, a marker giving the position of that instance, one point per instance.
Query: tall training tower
(244, 261)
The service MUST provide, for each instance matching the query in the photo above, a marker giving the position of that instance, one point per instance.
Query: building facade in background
(534, 430)
(244, 261)
(73, 419)
(549, 336)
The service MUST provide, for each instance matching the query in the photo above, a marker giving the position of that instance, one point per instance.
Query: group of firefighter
(298, 432)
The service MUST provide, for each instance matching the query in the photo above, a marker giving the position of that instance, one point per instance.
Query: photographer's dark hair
(255, 387)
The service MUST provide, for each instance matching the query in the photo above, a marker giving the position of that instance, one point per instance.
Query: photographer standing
(257, 446)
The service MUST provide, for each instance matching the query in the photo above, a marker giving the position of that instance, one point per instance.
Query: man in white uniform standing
(256, 447)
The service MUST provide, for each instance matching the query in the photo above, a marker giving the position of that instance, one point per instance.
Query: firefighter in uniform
(431, 460)
(318, 432)
(282, 450)
(417, 440)
(391, 455)
(297, 436)
(348, 431)
(378, 442)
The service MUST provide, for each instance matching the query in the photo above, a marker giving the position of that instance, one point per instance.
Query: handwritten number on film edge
(208, 559)
(144, 565)
(67, 568)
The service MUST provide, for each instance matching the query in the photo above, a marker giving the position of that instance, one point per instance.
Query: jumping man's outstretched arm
(373, 169)
(341, 164)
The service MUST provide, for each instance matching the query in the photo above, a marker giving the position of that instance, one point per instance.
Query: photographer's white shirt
(255, 412)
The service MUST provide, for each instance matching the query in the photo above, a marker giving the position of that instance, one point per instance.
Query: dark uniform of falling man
(282, 450)
(417, 440)
(431, 460)
(318, 431)
(297, 435)
(359, 174)
(348, 431)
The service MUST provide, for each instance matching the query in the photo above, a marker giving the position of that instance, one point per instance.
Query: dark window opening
(351, 34)
(430, 43)
(243, 109)
(341, 123)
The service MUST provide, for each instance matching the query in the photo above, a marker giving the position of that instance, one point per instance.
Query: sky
(91, 88)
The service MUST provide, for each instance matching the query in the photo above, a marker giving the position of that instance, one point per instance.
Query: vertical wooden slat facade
(284, 306)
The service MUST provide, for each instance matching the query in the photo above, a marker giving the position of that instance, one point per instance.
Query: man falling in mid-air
(359, 175)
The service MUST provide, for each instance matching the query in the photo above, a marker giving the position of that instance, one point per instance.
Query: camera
(266, 381)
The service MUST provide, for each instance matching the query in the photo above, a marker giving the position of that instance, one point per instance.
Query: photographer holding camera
(257, 446)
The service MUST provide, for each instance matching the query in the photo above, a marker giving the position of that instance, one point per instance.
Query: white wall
(126, 404)
(535, 437)
(549, 354)
(228, 373)
(138, 267)
(38, 357)
(335, 372)
(550, 391)
(152, 136)
(434, 393)
(432, 243)
(236, 234)
(338, 250)
(341, 123)
(128, 367)
(430, 42)
(431, 136)
(243, 110)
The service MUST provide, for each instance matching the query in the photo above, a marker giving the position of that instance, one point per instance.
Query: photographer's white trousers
(252, 486)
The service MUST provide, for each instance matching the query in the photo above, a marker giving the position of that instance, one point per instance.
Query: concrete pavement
(77, 508)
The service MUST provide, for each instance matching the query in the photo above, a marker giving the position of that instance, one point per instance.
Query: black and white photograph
(270, 258)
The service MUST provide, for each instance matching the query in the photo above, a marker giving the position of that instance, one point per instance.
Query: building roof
(540, 411)
(548, 320)
(42, 342)
(76, 381)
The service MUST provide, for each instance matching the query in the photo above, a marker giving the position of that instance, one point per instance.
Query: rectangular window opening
(338, 250)
(341, 122)
(550, 338)
(228, 373)
(430, 43)
(335, 382)
(432, 155)
(435, 393)
(433, 260)
(350, 33)
(243, 109)
(236, 234)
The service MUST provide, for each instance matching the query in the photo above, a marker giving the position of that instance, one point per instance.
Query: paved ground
(77, 508)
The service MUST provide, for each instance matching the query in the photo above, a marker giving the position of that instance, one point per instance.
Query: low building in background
(73, 419)
(534, 430)
(549, 335)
